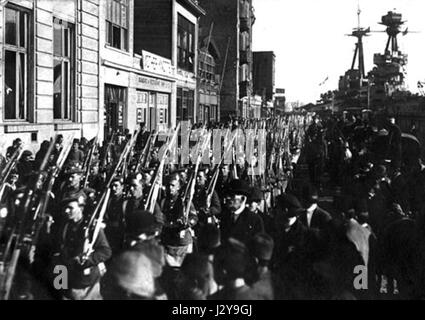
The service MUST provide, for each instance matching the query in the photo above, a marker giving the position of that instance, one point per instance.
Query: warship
(383, 89)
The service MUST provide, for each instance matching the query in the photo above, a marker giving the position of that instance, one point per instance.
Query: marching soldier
(67, 241)
(200, 199)
(114, 216)
(71, 187)
(176, 237)
(137, 200)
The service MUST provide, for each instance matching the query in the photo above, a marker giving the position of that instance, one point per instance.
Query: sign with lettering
(153, 84)
(157, 64)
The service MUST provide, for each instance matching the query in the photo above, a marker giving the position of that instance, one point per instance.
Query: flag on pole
(324, 81)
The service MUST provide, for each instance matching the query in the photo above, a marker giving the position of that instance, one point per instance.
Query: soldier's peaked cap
(74, 169)
(81, 198)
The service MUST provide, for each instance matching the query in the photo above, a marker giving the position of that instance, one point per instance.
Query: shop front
(152, 105)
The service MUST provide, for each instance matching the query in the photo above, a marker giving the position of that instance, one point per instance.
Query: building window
(117, 24)
(16, 63)
(185, 44)
(206, 67)
(185, 104)
(63, 72)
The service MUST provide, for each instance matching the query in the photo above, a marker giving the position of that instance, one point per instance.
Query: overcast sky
(308, 38)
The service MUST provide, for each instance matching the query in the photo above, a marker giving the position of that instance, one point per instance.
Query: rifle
(105, 157)
(192, 183)
(214, 179)
(96, 218)
(89, 244)
(89, 161)
(142, 162)
(20, 240)
(127, 159)
(40, 214)
(156, 185)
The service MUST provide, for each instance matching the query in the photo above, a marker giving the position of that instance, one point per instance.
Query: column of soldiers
(122, 221)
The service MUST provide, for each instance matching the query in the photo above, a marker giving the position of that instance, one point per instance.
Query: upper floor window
(64, 69)
(206, 66)
(117, 24)
(16, 63)
(185, 44)
(185, 104)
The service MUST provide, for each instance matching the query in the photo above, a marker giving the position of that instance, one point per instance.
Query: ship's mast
(359, 33)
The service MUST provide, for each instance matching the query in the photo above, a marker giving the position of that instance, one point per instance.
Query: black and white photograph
(212, 150)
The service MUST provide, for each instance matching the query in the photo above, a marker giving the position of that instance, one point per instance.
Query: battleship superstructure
(384, 87)
(388, 76)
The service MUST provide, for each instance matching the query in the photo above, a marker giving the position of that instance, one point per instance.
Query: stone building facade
(49, 70)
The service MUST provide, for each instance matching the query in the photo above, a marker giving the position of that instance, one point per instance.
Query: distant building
(264, 78)
(169, 28)
(208, 81)
(280, 104)
(232, 31)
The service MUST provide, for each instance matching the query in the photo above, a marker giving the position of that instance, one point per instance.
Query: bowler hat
(238, 187)
(255, 195)
(310, 194)
(288, 201)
